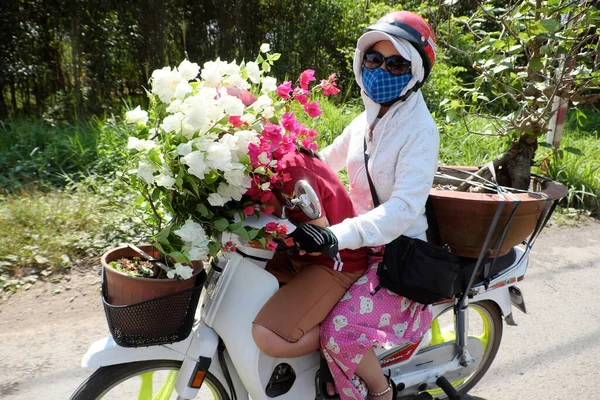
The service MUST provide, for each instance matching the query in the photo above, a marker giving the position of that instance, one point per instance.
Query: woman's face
(386, 48)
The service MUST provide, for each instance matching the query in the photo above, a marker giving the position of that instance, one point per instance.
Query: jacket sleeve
(336, 154)
(414, 173)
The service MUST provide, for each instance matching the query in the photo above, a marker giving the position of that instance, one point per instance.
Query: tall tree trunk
(13, 99)
(76, 57)
(3, 106)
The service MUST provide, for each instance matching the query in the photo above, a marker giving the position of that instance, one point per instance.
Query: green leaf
(179, 257)
(536, 64)
(546, 145)
(214, 248)
(550, 25)
(221, 224)
(235, 226)
(201, 208)
(498, 44)
(211, 178)
(242, 232)
(252, 233)
(581, 117)
(499, 68)
(573, 150)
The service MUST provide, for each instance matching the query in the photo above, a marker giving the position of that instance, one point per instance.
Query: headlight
(217, 266)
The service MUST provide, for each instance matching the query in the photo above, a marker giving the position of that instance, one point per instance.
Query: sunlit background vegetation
(70, 69)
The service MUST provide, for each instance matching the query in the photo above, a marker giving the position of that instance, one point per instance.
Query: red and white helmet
(414, 29)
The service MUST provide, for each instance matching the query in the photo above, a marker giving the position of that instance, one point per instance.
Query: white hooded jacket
(403, 152)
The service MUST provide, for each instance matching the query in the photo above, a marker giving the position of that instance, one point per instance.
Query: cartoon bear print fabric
(362, 320)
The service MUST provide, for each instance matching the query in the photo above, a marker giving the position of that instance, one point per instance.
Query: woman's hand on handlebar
(315, 239)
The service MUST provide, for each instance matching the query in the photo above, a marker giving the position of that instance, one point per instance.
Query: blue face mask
(381, 86)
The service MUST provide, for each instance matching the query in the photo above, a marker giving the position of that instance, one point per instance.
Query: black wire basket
(162, 320)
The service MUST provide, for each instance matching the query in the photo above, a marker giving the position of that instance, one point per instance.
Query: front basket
(162, 320)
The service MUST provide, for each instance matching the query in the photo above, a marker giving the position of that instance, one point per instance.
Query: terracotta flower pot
(123, 289)
(464, 218)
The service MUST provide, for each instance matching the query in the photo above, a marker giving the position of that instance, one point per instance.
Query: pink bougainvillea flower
(286, 177)
(306, 142)
(271, 227)
(248, 210)
(235, 121)
(284, 90)
(329, 88)
(266, 197)
(289, 242)
(272, 132)
(267, 210)
(282, 229)
(229, 247)
(271, 245)
(312, 133)
(306, 77)
(312, 109)
(289, 122)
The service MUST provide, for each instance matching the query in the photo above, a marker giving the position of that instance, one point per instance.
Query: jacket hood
(407, 50)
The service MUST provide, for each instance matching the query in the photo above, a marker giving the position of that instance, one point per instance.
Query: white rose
(173, 122)
(180, 270)
(195, 163)
(165, 181)
(174, 106)
(265, 48)
(188, 70)
(231, 104)
(140, 144)
(211, 73)
(268, 112)
(216, 200)
(218, 156)
(164, 83)
(145, 171)
(191, 232)
(253, 72)
(136, 115)
(184, 149)
(269, 84)
(237, 177)
(230, 69)
(182, 89)
(197, 250)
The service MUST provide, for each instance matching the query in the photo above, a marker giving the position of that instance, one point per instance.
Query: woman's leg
(275, 346)
(288, 324)
(369, 370)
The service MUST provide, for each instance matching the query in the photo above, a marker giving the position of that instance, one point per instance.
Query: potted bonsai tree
(531, 59)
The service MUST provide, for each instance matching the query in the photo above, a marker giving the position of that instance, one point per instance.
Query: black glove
(315, 239)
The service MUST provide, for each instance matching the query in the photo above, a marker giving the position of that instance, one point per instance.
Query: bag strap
(371, 186)
(429, 211)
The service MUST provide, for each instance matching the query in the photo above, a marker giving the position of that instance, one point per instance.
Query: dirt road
(552, 355)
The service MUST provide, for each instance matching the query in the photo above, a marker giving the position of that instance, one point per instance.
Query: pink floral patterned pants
(360, 321)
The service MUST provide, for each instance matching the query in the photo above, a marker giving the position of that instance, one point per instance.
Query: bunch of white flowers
(206, 151)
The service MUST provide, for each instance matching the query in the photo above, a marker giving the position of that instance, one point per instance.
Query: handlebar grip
(330, 250)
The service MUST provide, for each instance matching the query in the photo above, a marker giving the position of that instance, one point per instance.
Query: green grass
(40, 154)
(47, 231)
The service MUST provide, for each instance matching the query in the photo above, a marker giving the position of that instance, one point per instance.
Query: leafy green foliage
(526, 55)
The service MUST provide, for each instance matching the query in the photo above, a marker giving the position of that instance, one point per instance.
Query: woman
(288, 324)
(392, 61)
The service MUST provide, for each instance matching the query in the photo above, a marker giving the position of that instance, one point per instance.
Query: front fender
(107, 352)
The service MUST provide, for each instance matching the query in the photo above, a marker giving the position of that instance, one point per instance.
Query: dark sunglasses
(395, 65)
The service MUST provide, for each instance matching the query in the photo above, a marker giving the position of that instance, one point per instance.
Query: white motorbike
(219, 359)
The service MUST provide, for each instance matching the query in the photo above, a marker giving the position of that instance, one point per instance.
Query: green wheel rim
(439, 337)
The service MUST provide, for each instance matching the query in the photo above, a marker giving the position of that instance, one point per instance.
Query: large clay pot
(123, 289)
(464, 218)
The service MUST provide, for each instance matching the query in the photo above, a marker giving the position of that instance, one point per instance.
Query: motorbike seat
(468, 265)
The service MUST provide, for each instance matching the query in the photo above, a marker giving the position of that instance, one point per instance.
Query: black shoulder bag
(418, 270)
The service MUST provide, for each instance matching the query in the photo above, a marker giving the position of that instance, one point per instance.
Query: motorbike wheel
(485, 323)
(152, 380)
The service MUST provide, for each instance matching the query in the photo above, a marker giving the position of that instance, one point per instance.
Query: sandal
(325, 377)
(391, 387)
